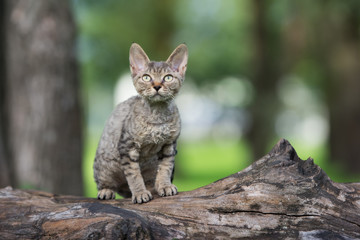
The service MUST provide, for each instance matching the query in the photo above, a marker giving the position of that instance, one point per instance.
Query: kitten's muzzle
(157, 87)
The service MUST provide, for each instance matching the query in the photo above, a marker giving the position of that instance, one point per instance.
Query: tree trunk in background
(344, 94)
(164, 12)
(4, 164)
(45, 131)
(266, 73)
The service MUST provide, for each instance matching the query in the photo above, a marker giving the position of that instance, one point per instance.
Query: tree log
(279, 196)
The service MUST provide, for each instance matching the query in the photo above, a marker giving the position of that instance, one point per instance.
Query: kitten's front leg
(134, 179)
(163, 184)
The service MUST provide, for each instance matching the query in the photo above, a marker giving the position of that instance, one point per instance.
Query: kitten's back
(113, 127)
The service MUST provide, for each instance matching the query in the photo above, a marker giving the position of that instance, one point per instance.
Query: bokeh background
(258, 71)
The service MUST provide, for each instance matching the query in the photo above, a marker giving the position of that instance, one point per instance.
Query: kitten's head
(158, 81)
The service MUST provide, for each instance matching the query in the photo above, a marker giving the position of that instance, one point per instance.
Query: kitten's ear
(178, 59)
(138, 59)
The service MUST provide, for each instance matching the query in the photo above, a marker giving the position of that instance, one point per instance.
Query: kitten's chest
(152, 137)
(154, 127)
(157, 133)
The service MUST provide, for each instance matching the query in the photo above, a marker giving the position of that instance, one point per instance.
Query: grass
(201, 163)
(89, 156)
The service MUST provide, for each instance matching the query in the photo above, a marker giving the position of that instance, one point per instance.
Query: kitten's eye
(146, 78)
(168, 78)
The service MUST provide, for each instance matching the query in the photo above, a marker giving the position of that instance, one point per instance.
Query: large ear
(138, 59)
(178, 59)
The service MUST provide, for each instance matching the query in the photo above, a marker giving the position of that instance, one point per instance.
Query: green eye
(168, 78)
(146, 78)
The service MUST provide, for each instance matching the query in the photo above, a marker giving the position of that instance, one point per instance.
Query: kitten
(137, 148)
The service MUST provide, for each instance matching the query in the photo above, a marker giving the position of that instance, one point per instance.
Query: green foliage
(107, 29)
(219, 32)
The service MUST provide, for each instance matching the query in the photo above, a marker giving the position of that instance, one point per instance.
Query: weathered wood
(279, 196)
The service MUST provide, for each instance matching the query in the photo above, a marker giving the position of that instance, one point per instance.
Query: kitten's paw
(105, 194)
(167, 190)
(141, 197)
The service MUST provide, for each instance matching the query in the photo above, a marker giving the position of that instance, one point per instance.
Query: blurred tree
(163, 28)
(266, 73)
(4, 164)
(42, 95)
(324, 41)
(343, 57)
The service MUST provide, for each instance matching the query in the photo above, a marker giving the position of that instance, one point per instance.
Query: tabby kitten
(136, 152)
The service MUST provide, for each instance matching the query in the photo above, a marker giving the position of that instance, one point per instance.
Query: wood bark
(42, 95)
(279, 196)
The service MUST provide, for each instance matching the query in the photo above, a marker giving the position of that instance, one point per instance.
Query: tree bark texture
(44, 120)
(278, 197)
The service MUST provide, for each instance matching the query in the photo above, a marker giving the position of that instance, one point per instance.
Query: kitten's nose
(157, 88)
